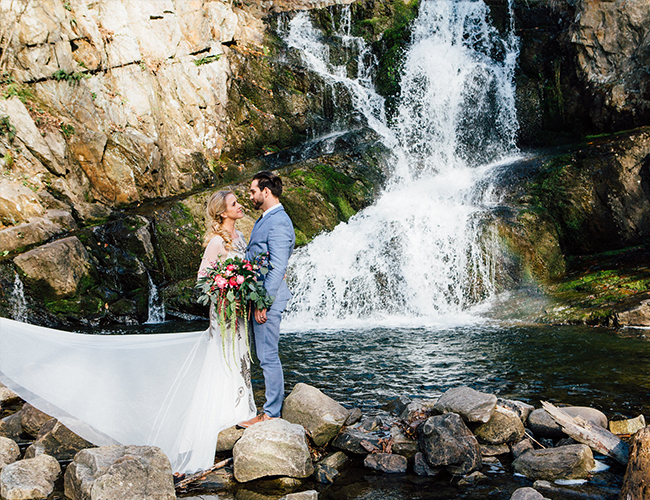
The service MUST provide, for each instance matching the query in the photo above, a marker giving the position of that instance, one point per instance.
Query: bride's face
(233, 209)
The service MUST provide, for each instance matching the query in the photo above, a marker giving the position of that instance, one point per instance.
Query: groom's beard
(257, 204)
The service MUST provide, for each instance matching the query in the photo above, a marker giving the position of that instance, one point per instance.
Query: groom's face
(256, 196)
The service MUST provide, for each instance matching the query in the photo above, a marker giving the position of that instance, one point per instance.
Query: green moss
(80, 306)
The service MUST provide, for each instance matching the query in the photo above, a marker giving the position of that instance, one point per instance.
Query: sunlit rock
(504, 427)
(9, 451)
(36, 231)
(473, 406)
(565, 462)
(628, 426)
(120, 472)
(57, 269)
(272, 448)
(33, 419)
(17, 203)
(30, 478)
(527, 493)
(636, 316)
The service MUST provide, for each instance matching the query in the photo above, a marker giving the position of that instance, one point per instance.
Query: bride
(175, 391)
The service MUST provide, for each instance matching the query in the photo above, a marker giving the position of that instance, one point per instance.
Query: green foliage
(207, 59)
(15, 90)
(8, 159)
(6, 128)
(67, 6)
(68, 130)
(68, 76)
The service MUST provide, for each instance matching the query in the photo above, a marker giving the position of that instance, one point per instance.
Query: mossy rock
(178, 241)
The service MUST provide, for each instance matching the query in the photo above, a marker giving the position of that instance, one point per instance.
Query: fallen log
(594, 436)
(199, 475)
(636, 483)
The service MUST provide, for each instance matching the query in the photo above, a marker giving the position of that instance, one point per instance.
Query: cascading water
(420, 254)
(156, 304)
(18, 302)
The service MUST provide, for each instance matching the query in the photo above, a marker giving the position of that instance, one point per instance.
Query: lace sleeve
(214, 251)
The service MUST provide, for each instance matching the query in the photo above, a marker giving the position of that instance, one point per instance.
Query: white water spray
(18, 302)
(156, 304)
(420, 254)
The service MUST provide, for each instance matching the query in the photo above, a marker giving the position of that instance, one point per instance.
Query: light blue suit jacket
(274, 234)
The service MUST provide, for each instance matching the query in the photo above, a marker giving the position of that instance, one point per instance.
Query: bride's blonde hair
(214, 221)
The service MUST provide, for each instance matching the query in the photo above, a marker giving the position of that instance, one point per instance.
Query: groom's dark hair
(269, 180)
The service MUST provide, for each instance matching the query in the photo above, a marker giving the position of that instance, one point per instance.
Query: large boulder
(473, 406)
(564, 462)
(272, 448)
(36, 230)
(124, 472)
(386, 462)
(9, 451)
(56, 440)
(504, 426)
(519, 407)
(320, 415)
(527, 493)
(636, 316)
(31, 478)
(543, 425)
(57, 269)
(446, 441)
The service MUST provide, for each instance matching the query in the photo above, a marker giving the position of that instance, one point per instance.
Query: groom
(272, 233)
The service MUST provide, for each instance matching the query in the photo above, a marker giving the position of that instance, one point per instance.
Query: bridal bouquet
(230, 285)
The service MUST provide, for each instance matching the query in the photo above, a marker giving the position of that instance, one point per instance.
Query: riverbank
(465, 443)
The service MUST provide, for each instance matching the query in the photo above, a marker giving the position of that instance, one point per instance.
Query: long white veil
(166, 390)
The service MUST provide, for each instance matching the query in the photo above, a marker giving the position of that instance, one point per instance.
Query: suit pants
(267, 336)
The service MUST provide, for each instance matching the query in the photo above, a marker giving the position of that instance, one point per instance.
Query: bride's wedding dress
(175, 391)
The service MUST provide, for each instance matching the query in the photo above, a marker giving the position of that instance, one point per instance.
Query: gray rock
(228, 437)
(56, 440)
(272, 448)
(566, 462)
(446, 440)
(386, 462)
(543, 425)
(422, 468)
(519, 407)
(301, 495)
(372, 424)
(472, 405)
(120, 472)
(354, 416)
(350, 440)
(36, 230)
(504, 427)
(403, 445)
(521, 447)
(9, 451)
(319, 414)
(527, 493)
(493, 450)
(31, 478)
(33, 419)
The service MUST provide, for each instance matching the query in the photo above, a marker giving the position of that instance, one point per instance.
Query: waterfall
(18, 302)
(156, 304)
(421, 254)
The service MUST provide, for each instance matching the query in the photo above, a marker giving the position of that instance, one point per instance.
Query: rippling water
(370, 367)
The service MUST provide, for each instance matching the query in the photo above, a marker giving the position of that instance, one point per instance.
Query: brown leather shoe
(262, 417)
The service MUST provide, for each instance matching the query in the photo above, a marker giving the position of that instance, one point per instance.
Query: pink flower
(240, 279)
(233, 282)
(221, 282)
(248, 267)
(230, 267)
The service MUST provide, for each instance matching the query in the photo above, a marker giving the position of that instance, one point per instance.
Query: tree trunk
(597, 438)
(636, 483)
